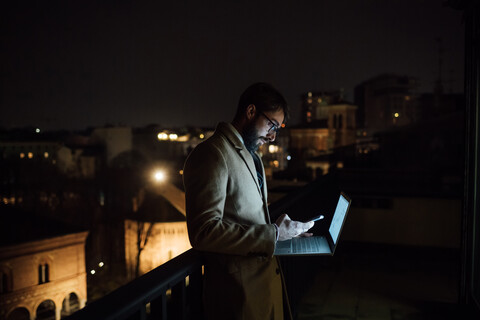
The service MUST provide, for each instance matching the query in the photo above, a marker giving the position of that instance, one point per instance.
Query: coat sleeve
(205, 179)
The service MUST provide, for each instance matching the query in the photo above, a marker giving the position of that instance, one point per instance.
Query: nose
(271, 136)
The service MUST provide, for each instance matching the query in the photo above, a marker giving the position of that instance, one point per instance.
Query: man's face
(261, 129)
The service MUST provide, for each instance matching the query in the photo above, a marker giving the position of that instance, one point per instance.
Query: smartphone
(320, 217)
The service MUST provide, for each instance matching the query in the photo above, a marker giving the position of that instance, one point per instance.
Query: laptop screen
(338, 218)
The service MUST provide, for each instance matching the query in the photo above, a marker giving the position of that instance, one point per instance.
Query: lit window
(309, 114)
(396, 115)
(22, 155)
(45, 155)
(407, 98)
(181, 172)
(319, 100)
(309, 100)
(275, 163)
(309, 94)
(30, 155)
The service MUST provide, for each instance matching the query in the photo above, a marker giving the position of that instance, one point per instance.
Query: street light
(159, 175)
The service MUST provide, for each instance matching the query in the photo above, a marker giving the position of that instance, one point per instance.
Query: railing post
(195, 295)
(139, 314)
(158, 308)
(178, 302)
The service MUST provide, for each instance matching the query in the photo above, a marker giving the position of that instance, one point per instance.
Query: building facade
(387, 101)
(329, 123)
(159, 241)
(43, 279)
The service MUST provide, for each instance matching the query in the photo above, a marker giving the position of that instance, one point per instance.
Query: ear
(251, 110)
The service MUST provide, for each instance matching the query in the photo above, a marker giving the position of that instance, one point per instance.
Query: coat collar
(234, 137)
(231, 133)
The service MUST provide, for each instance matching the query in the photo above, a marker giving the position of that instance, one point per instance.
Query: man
(227, 214)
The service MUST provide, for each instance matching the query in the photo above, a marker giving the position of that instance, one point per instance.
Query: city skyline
(71, 67)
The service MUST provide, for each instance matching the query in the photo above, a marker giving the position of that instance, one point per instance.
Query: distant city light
(202, 136)
(396, 115)
(30, 155)
(102, 198)
(159, 175)
(276, 163)
(92, 271)
(272, 148)
(309, 94)
(22, 155)
(289, 158)
(162, 136)
(37, 130)
(173, 136)
(181, 172)
(101, 264)
(45, 154)
(10, 200)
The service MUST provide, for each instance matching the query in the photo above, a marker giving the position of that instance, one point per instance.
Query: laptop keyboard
(308, 245)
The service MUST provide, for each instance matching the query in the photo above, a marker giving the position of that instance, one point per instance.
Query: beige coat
(227, 218)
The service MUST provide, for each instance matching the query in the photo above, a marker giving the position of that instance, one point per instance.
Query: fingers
(304, 227)
(288, 228)
(307, 225)
(306, 235)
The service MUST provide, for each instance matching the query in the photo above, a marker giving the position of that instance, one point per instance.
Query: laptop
(318, 245)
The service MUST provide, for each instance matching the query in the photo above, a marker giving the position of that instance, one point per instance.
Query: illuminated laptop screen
(338, 218)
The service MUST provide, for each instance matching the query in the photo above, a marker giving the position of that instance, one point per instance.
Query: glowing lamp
(159, 176)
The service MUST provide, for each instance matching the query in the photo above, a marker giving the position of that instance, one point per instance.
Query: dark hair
(265, 98)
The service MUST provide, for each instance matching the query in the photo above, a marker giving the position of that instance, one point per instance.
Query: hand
(287, 228)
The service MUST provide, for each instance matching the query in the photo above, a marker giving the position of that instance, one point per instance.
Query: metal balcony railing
(171, 291)
(174, 289)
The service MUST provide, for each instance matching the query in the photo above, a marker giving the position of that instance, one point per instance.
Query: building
(387, 101)
(275, 156)
(329, 123)
(42, 268)
(156, 231)
(162, 241)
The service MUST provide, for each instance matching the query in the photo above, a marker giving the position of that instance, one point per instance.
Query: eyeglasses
(274, 127)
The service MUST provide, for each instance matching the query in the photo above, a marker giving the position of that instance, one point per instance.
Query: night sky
(74, 64)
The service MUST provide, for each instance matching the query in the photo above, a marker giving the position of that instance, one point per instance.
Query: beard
(251, 138)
